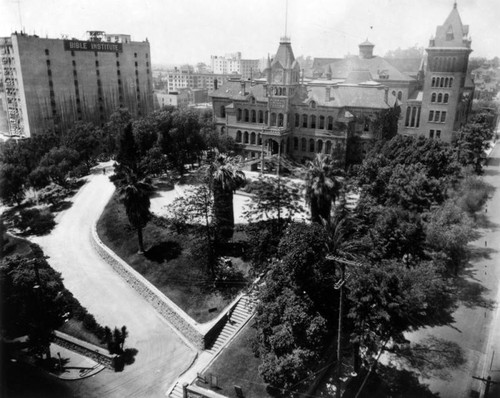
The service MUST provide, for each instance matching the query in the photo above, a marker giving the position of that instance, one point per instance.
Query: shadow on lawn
(164, 251)
(470, 291)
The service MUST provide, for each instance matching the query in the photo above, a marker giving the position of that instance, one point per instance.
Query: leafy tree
(274, 199)
(290, 333)
(39, 177)
(33, 301)
(387, 299)
(224, 178)
(322, 187)
(472, 143)
(117, 123)
(449, 230)
(58, 163)
(410, 52)
(84, 138)
(127, 154)
(134, 194)
(13, 179)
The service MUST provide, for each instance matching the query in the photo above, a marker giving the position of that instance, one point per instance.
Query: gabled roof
(285, 56)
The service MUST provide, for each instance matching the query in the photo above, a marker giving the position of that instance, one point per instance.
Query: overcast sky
(189, 31)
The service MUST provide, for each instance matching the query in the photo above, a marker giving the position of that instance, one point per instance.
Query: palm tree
(224, 178)
(134, 194)
(322, 187)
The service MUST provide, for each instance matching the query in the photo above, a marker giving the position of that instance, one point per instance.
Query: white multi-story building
(233, 64)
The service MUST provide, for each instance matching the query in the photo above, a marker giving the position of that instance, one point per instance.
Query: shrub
(35, 221)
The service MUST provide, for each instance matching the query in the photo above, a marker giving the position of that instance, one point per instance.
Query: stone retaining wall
(91, 351)
(165, 307)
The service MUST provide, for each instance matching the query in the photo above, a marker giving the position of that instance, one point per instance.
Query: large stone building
(436, 97)
(47, 84)
(282, 113)
(182, 78)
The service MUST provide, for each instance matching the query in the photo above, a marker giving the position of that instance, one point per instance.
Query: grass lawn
(171, 263)
(237, 365)
(75, 328)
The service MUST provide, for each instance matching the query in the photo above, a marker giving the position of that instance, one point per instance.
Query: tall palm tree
(134, 194)
(224, 178)
(322, 187)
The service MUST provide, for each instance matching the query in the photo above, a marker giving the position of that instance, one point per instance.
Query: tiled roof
(346, 95)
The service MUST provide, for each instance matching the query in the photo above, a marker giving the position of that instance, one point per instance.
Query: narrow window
(437, 116)
(431, 116)
(445, 99)
(431, 134)
(304, 145)
(295, 143)
(433, 97)
(311, 145)
(443, 116)
(440, 98)
(304, 121)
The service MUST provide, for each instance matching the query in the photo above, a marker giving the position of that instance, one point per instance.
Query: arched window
(441, 83)
(330, 123)
(245, 137)
(413, 116)
(266, 117)
(446, 97)
(393, 92)
(450, 83)
(239, 114)
(254, 116)
(303, 145)
(273, 119)
(259, 139)
(280, 120)
(440, 97)
(222, 111)
(261, 117)
(400, 95)
(408, 112)
(319, 146)
(322, 122)
(446, 82)
(252, 138)
(312, 104)
(433, 83)
(284, 90)
(313, 122)
(238, 136)
(418, 116)
(433, 97)
(297, 120)
(328, 147)
(246, 113)
(311, 145)
(304, 120)
(295, 144)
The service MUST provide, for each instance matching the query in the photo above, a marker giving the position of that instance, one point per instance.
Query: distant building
(435, 92)
(486, 82)
(47, 84)
(176, 99)
(178, 78)
(234, 64)
(283, 114)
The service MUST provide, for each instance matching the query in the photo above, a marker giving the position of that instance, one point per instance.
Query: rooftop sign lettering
(76, 45)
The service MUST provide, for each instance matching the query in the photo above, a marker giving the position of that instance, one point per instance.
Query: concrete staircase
(240, 315)
(176, 391)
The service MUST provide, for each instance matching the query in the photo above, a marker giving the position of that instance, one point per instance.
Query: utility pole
(488, 382)
(340, 286)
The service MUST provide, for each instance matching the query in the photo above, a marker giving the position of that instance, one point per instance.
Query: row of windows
(313, 122)
(314, 146)
(412, 116)
(440, 98)
(442, 82)
(444, 64)
(437, 116)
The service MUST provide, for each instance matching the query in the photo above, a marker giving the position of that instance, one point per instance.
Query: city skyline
(191, 31)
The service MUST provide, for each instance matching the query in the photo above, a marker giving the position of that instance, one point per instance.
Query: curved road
(162, 354)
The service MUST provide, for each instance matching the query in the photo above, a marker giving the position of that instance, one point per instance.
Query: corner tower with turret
(448, 90)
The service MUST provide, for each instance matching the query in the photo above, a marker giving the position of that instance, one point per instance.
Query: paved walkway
(162, 354)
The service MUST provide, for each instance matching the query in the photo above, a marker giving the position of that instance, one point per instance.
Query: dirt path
(162, 355)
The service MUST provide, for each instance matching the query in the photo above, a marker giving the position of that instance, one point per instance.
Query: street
(162, 354)
(476, 329)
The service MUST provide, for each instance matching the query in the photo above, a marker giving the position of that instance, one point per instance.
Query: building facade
(283, 114)
(181, 78)
(50, 83)
(435, 96)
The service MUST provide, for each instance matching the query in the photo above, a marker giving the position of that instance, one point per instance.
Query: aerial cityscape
(250, 199)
